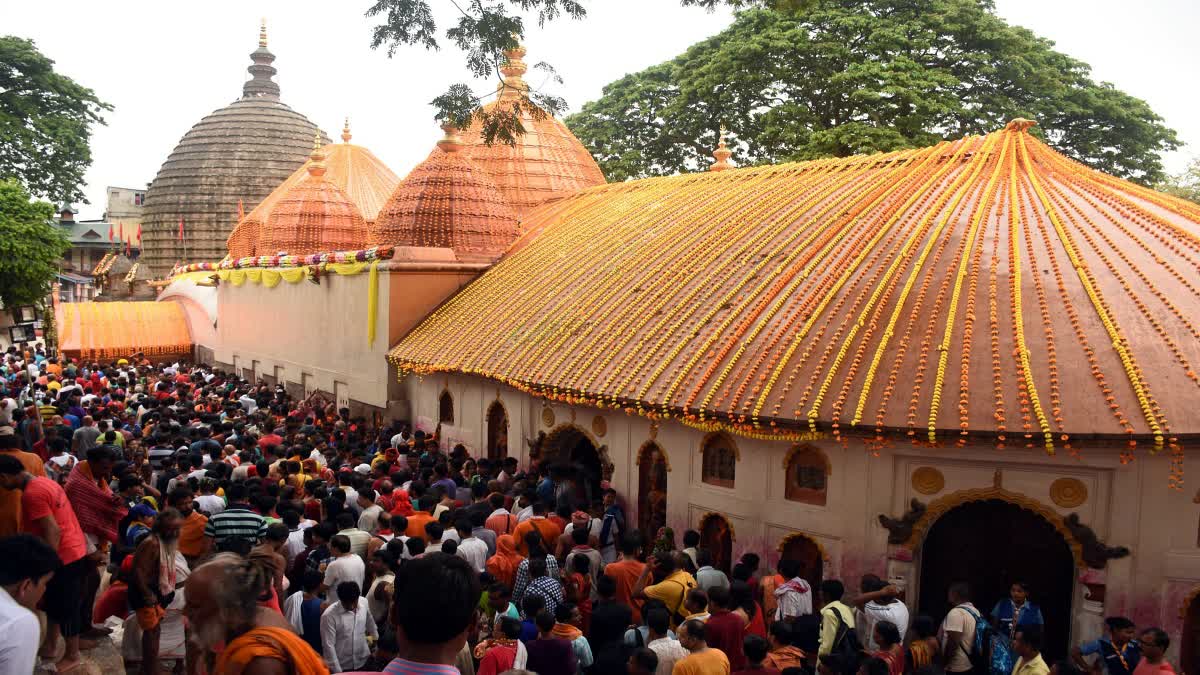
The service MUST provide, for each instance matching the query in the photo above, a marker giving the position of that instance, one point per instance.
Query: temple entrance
(497, 431)
(716, 535)
(800, 547)
(1189, 650)
(571, 454)
(989, 544)
(652, 489)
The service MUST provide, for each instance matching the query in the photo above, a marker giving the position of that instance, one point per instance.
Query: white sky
(164, 65)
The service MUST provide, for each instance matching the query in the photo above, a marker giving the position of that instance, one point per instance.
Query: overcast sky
(164, 65)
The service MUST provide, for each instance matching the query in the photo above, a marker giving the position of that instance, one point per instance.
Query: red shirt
(43, 497)
(724, 630)
(269, 440)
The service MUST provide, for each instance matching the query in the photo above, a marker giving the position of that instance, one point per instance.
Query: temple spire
(513, 70)
(316, 166)
(346, 131)
(261, 70)
(721, 154)
(451, 142)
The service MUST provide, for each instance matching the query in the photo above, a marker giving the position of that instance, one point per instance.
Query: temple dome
(236, 154)
(546, 162)
(313, 216)
(365, 179)
(449, 202)
(984, 288)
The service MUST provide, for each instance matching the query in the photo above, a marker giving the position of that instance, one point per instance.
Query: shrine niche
(807, 471)
(716, 535)
(575, 454)
(497, 431)
(445, 408)
(808, 552)
(719, 457)
(652, 487)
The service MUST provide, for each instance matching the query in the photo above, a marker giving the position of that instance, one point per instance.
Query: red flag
(128, 252)
(139, 234)
(181, 228)
(110, 232)
(121, 231)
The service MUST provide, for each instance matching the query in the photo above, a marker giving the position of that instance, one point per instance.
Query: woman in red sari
(891, 649)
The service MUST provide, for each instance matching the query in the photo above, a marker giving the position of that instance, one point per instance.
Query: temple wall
(1125, 504)
(310, 335)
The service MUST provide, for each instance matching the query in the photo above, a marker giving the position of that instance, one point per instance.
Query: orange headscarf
(401, 504)
(274, 643)
(504, 564)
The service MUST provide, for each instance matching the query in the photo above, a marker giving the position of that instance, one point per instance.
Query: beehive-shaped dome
(448, 202)
(365, 179)
(546, 162)
(313, 216)
(236, 154)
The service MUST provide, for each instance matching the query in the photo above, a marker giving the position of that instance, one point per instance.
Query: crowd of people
(224, 527)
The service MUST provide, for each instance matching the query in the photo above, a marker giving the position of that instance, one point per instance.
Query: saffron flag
(110, 232)
(181, 228)
(241, 211)
(139, 234)
(120, 230)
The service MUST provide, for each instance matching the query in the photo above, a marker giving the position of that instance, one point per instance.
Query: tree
(847, 77)
(32, 246)
(1185, 185)
(45, 123)
(485, 32)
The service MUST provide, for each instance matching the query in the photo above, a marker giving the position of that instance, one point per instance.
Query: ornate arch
(719, 457)
(942, 506)
(712, 435)
(443, 397)
(713, 514)
(800, 535)
(606, 464)
(798, 448)
(641, 453)
(1187, 602)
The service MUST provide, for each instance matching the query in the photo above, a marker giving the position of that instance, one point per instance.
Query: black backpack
(847, 650)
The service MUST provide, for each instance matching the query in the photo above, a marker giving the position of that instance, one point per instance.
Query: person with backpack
(958, 630)
(672, 589)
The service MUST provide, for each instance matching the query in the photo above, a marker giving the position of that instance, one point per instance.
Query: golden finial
(1020, 124)
(262, 33)
(346, 131)
(513, 69)
(316, 165)
(451, 142)
(722, 154)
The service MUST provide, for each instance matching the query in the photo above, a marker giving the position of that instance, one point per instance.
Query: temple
(904, 364)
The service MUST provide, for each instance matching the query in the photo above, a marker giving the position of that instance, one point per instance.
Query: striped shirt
(236, 523)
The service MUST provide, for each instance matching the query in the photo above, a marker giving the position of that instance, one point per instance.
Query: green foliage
(1185, 185)
(32, 246)
(45, 123)
(484, 32)
(844, 77)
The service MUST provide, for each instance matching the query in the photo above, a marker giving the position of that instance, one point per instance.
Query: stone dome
(313, 216)
(238, 153)
(365, 179)
(447, 201)
(546, 162)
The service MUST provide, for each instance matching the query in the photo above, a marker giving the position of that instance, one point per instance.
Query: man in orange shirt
(626, 571)
(10, 500)
(701, 659)
(544, 526)
(420, 518)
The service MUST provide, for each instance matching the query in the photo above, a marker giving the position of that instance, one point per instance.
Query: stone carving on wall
(1068, 493)
(900, 530)
(548, 417)
(599, 426)
(1096, 553)
(927, 480)
(535, 445)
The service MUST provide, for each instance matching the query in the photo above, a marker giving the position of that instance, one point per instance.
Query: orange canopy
(109, 330)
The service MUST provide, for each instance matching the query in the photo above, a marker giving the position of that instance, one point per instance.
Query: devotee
(1154, 649)
(10, 500)
(606, 630)
(46, 513)
(724, 630)
(152, 582)
(1016, 610)
(755, 649)
(701, 659)
(878, 602)
(503, 652)
(368, 519)
(430, 643)
(666, 648)
(221, 606)
(550, 654)
(626, 571)
(537, 522)
(504, 564)
(540, 584)
(793, 598)
(346, 626)
(1027, 645)
(27, 564)
(345, 565)
(958, 629)
(269, 554)
(833, 614)
(890, 649)
(237, 527)
(781, 653)
(673, 588)
(1119, 653)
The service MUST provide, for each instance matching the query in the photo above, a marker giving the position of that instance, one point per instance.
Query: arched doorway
(570, 453)
(652, 489)
(497, 431)
(812, 560)
(1189, 650)
(989, 544)
(716, 535)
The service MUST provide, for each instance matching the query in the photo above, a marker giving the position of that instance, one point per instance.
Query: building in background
(126, 206)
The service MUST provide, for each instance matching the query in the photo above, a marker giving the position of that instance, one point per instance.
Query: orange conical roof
(365, 179)
(313, 216)
(546, 162)
(447, 201)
